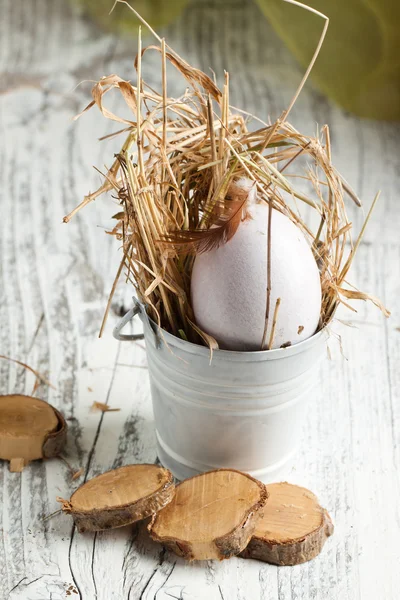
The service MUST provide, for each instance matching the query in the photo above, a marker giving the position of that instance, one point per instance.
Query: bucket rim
(248, 355)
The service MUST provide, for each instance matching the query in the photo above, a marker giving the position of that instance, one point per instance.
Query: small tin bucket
(241, 410)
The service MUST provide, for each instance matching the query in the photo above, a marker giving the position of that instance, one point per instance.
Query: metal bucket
(242, 410)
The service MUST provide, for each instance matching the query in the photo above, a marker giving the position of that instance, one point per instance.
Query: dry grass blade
(111, 295)
(38, 376)
(208, 339)
(77, 474)
(175, 177)
(274, 322)
(356, 295)
(268, 297)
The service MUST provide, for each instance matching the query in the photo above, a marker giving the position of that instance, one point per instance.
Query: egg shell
(229, 285)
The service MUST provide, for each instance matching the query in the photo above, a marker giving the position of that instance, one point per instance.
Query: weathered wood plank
(54, 281)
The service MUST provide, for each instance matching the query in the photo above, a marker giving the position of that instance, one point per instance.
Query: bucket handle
(127, 337)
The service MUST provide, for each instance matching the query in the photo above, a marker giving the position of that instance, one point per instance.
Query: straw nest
(174, 179)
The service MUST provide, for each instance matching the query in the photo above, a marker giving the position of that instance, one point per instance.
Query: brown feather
(222, 223)
(190, 73)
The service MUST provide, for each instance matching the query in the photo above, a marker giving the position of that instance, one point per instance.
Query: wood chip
(30, 429)
(120, 497)
(17, 465)
(293, 528)
(102, 407)
(212, 515)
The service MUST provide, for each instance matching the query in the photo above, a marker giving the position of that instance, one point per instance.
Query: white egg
(229, 284)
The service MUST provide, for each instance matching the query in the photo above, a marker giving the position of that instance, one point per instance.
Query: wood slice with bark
(293, 529)
(212, 516)
(30, 429)
(120, 497)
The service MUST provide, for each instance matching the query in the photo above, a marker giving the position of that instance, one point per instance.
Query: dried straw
(178, 162)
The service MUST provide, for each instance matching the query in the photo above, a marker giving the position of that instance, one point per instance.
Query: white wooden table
(54, 281)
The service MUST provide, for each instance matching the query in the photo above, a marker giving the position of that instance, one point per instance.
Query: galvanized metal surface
(242, 410)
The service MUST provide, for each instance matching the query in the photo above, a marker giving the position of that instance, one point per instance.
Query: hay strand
(174, 178)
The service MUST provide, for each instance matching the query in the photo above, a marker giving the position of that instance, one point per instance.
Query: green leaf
(359, 64)
(182, 334)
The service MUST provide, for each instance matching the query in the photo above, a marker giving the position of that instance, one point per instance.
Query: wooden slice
(120, 497)
(293, 529)
(212, 515)
(30, 429)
